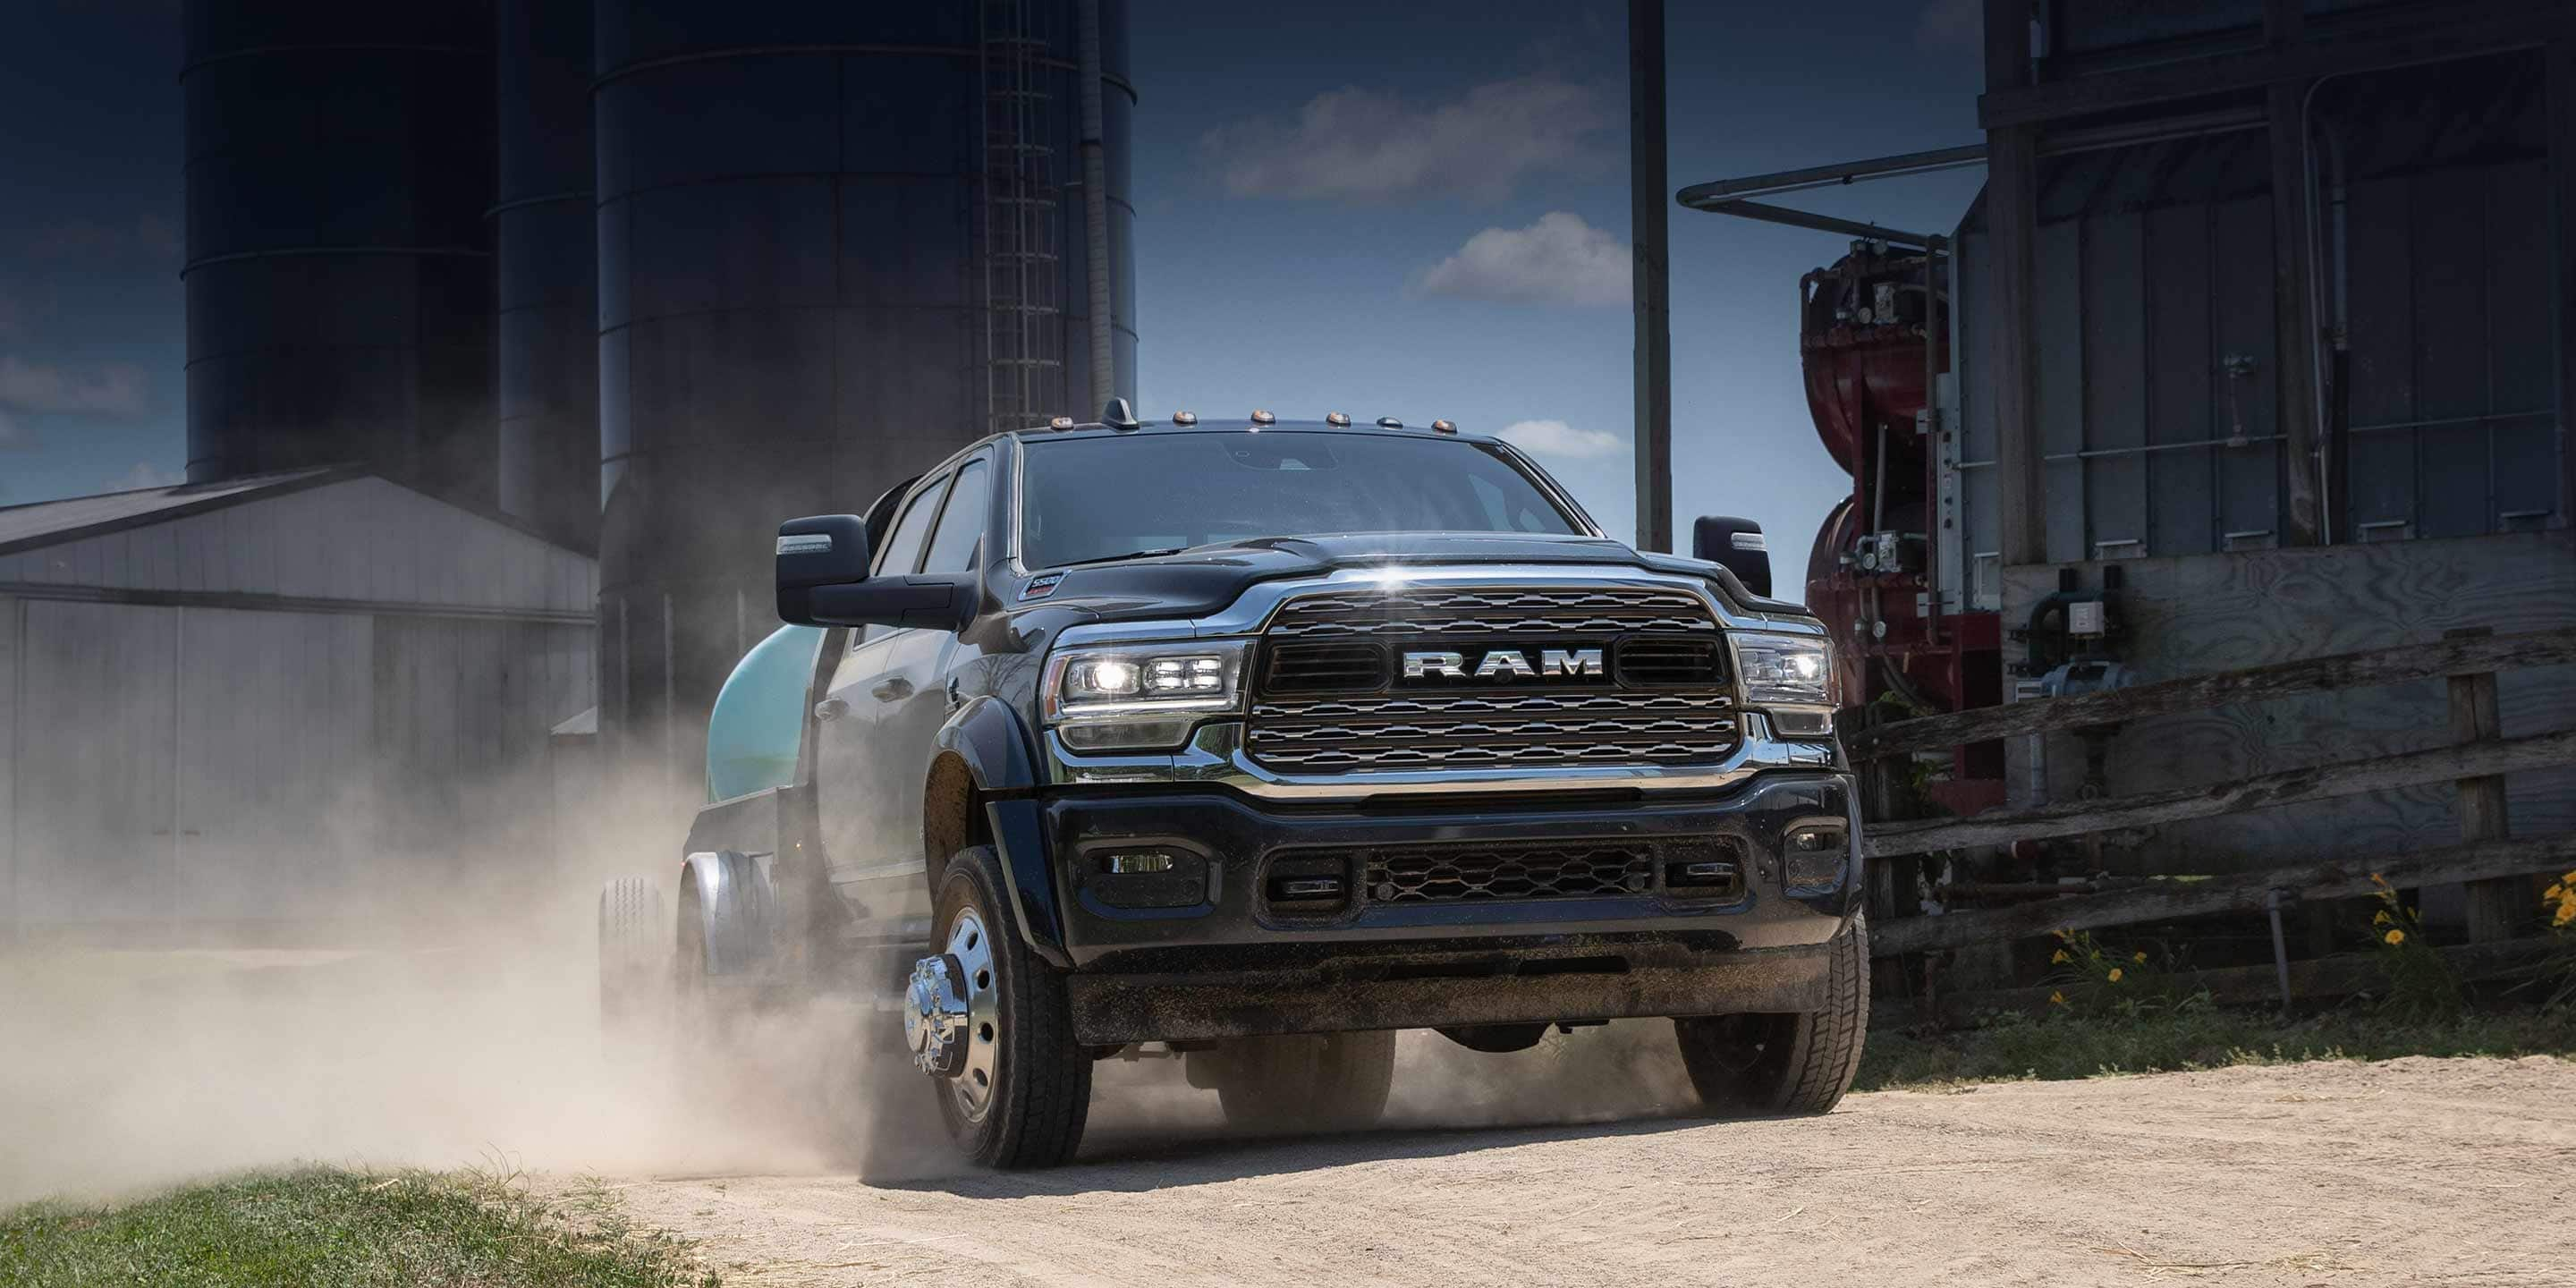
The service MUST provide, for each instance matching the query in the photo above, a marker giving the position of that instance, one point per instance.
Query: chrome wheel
(955, 1018)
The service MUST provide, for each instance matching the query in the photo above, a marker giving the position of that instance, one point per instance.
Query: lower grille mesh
(1471, 875)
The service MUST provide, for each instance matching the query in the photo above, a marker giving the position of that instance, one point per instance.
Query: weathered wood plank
(2495, 905)
(2339, 975)
(2199, 692)
(2320, 782)
(2244, 892)
(2197, 616)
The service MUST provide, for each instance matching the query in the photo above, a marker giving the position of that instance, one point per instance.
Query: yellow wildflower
(2140, 957)
(2553, 891)
(2059, 957)
(2115, 974)
(2379, 918)
(2378, 880)
(2566, 913)
(2395, 937)
(2056, 999)
(2570, 878)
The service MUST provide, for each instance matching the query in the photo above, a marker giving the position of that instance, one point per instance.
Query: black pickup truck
(1259, 741)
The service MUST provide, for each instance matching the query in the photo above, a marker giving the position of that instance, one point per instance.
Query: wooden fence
(2496, 866)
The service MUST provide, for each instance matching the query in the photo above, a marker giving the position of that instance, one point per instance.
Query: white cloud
(1558, 260)
(114, 388)
(1369, 145)
(144, 474)
(1556, 438)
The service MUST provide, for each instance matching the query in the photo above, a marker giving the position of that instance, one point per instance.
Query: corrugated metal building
(2266, 328)
(273, 702)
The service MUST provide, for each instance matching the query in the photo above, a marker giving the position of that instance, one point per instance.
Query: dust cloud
(461, 1028)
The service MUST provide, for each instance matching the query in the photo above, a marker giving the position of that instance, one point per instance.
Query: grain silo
(835, 243)
(338, 270)
(546, 377)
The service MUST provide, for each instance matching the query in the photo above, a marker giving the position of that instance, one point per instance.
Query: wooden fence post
(2495, 907)
(1891, 890)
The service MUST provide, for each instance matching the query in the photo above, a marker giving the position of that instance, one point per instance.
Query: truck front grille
(1331, 696)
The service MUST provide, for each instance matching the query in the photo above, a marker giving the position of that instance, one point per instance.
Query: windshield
(1088, 499)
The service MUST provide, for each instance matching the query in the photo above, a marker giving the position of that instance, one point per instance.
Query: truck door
(916, 703)
(852, 764)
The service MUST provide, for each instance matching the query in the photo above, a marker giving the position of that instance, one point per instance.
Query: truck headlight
(1785, 670)
(1140, 697)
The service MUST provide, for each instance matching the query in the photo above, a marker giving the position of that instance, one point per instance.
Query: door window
(961, 525)
(902, 553)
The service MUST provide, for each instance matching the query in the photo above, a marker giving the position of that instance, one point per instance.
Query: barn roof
(335, 538)
(42, 523)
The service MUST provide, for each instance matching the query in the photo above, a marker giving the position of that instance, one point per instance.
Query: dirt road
(2414, 1171)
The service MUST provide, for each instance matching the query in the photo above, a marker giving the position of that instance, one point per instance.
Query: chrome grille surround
(1490, 727)
(1480, 612)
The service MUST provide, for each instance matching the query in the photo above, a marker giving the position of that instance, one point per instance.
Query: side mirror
(823, 581)
(1737, 546)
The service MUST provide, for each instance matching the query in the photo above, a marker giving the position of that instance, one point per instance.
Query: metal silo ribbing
(338, 272)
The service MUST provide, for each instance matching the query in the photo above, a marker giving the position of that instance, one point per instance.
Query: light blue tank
(758, 725)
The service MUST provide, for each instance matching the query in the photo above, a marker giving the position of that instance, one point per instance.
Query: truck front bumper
(1192, 915)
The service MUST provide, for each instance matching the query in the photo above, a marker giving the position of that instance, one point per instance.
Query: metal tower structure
(1023, 263)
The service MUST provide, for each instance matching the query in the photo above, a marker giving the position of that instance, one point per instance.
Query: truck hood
(1204, 579)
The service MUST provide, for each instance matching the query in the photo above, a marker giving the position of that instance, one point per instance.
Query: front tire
(1303, 1082)
(1024, 1089)
(1785, 1063)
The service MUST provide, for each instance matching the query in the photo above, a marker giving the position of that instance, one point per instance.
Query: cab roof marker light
(1185, 418)
(1338, 419)
(1389, 422)
(1444, 427)
(1061, 422)
(1264, 418)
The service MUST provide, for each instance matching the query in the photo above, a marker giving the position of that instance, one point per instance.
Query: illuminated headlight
(1785, 670)
(1140, 697)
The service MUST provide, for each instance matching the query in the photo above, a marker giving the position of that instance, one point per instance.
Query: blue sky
(1416, 210)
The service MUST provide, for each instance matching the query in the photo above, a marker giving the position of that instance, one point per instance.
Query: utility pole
(1647, 198)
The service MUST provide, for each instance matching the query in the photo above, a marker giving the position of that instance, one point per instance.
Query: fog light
(1815, 855)
(1147, 878)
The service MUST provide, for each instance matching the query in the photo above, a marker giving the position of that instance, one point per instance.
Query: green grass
(2192, 1036)
(324, 1227)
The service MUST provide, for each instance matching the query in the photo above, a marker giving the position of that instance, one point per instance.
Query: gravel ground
(2411, 1171)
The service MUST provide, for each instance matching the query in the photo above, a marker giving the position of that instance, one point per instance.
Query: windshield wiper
(1132, 554)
